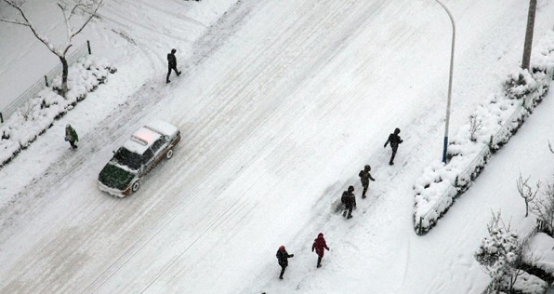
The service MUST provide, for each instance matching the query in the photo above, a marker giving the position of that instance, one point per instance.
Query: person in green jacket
(71, 136)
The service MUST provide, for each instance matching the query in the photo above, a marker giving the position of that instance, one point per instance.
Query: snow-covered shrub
(519, 84)
(497, 119)
(475, 124)
(500, 254)
(40, 112)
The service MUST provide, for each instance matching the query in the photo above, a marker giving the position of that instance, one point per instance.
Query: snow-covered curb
(38, 114)
(497, 119)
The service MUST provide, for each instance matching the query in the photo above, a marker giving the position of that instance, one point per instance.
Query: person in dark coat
(71, 136)
(394, 141)
(172, 64)
(319, 246)
(283, 258)
(349, 201)
(365, 176)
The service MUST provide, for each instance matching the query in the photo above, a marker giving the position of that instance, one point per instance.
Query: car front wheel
(169, 154)
(135, 186)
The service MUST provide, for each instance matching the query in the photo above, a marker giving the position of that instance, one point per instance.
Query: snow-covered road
(280, 105)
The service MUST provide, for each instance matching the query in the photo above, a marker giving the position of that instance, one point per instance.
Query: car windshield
(127, 158)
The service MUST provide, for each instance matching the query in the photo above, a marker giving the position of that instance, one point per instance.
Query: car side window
(148, 154)
(158, 144)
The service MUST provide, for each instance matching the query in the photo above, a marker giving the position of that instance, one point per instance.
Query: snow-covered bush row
(38, 114)
(489, 128)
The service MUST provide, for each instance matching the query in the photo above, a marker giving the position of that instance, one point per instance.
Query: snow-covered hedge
(494, 122)
(39, 113)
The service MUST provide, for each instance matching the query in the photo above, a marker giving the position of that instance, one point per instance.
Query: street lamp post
(447, 121)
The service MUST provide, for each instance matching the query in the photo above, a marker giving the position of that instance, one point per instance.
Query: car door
(157, 152)
(146, 161)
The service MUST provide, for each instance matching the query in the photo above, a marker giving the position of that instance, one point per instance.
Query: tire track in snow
(39, 193)
(220, 117)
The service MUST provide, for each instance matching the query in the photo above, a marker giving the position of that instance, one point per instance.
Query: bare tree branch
(27, 23)
(89, 7)
(526, 192)
(91, 15)
(544, 208)
(14, 22)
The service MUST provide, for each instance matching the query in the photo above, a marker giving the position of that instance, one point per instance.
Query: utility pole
(529, 35)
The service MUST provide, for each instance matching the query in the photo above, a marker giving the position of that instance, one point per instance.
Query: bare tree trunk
(529, 34)
(65, 70)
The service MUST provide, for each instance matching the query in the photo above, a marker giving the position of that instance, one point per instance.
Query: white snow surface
(280, 104)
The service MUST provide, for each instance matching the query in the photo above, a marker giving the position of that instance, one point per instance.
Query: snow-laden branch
(88, 7)
(67, 28)
(26, 22)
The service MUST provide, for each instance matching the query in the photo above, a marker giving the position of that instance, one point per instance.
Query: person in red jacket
(319, 245)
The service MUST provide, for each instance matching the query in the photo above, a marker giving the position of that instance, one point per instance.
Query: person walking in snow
(283, 259)
(349, 201)
(318, 246)
(394, 141)
(172, 64)
(71, 136)
(365, 176)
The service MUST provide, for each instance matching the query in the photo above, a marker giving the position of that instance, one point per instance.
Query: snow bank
(541, 248)
(39, 113)
(490, 127)
(527, 283)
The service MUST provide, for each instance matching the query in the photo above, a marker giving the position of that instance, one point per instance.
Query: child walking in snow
(71, 136)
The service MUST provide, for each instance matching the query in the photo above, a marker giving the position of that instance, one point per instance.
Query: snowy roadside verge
(492, 124)
(39, 113)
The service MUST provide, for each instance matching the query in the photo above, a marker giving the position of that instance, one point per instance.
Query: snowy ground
(281, 104)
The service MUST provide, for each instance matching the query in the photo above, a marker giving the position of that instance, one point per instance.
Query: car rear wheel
(135, 187)
(169, 154)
